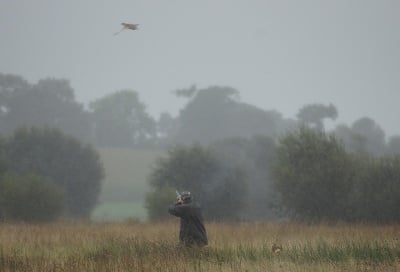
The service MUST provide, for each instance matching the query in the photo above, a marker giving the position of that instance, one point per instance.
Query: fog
(278, 54)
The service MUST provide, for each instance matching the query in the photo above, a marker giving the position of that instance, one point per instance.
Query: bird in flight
(127, 26)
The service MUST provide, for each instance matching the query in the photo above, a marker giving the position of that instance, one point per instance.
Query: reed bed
(233, 247)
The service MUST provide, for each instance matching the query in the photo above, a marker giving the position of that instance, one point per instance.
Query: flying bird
(127, 26)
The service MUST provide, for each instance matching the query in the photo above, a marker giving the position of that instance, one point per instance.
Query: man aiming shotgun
(192, 231)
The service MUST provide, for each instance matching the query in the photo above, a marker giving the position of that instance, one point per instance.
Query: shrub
(61, 159)
(219, 188)
(157, 202)
(376, 194)
(29, 198)
(314, 175)
(318, 180)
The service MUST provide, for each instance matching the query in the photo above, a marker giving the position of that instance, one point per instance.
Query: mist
(280, 55)
(245, 69)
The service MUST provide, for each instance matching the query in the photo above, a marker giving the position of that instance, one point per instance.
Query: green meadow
(125, 183)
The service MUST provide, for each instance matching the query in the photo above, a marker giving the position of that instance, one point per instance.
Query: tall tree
(121, 120)
(61, 159)
(393, 146)
(8, 84)
(186, 92)
(216, 113)
(313, 115)
(255, 157)
(313, 174)
(353, 142)
(50, 102)
(376, 196)
(167, 127)
(371, 134)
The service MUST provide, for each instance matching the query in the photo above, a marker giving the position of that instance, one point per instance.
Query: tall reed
(233, 247)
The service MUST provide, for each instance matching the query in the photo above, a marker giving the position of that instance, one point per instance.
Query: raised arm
(180, 210)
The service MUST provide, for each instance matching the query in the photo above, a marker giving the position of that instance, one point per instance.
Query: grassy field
(242, 247)
(125, 186)
(131, 246)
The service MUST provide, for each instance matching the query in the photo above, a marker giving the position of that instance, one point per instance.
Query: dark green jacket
(192, 230)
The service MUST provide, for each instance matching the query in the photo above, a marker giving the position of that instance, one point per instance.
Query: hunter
(192, 231)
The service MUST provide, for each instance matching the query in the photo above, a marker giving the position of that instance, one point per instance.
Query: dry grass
(240, 247)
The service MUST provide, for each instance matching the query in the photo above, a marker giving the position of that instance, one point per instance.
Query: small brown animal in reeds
(276, 249)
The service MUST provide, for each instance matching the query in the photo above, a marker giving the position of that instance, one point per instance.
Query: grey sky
(279, 54)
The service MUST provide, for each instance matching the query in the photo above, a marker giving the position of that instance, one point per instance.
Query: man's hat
(186, 196)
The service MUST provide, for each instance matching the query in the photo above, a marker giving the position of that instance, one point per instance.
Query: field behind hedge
(233, 247)
(125, 184)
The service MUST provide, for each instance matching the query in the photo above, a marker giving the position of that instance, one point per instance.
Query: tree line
(242, 162)
(120, 119)
(307, 175)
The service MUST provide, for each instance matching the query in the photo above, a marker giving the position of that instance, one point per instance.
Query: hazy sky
(278, 54)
